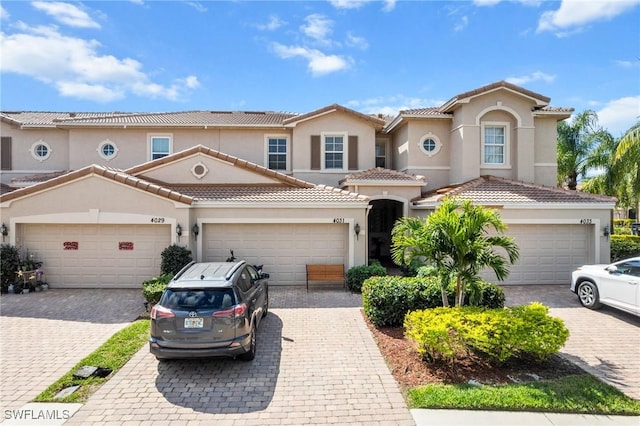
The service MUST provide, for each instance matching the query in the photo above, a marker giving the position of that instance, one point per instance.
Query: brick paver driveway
(606, 342)
(43, 335)
(317, 363)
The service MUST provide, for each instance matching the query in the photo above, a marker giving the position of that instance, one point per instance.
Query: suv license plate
(193, 322)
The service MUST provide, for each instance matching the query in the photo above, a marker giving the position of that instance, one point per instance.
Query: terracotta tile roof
(4, 188)
(268, 194)
(185, 118)
(380, 174)
(491, 190)
(201, 149)
(41, 177)
(425, 112)
(545, 100)
(379, 122)
(113, 174)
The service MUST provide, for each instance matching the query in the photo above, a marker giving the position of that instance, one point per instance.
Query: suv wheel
(588, 295)
(251, 354)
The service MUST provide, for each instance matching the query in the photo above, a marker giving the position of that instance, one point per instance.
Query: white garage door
(97, 256)
(548, 253)
(284, 249)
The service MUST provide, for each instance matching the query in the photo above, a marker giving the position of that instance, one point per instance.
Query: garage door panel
(98, 262)
(284, 249)
(548, 253)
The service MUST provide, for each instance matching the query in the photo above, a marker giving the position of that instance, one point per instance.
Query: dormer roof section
(376, 122)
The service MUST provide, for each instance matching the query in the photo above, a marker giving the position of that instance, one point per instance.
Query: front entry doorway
(382, 217)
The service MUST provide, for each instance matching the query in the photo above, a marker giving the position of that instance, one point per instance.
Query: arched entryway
(382, 217)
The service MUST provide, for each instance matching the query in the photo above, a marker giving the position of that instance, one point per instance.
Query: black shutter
(5, 153)
(353, 153)
(315, 152)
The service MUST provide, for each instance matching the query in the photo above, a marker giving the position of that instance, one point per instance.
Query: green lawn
(572, 394)
(113, 354)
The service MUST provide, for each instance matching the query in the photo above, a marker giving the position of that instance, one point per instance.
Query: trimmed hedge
(358, 274)
(174, 258)
(500, 334)
(152, 289)
(386, 300)
(624, 246)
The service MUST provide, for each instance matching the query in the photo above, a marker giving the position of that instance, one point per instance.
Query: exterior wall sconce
(356, 229)
(195, 230)
(179, 230)
(605, 230)
(4, 231)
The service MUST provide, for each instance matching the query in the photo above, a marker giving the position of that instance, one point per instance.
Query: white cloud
(273, 24)
(618, 115)
(76, 68)
(628, 64)
(574, 14)
(66, 13)
(388, 6)
(535, 76)
(318, 27)
(197, 6)
(3, 13)
(464, 21)
(347, 4)
(357, 42)
(391, 105)
(319, 63)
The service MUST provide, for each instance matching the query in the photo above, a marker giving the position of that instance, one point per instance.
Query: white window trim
(437, 148)
(507, 142)
(32, 150)
(386, 144)
(106, 157)
(345, 151)
(151, 136)
(288, 148)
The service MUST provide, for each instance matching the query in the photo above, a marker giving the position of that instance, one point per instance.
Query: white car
(616, 285)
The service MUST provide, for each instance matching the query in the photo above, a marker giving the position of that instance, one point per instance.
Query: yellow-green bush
(624, 246)
(500, 334)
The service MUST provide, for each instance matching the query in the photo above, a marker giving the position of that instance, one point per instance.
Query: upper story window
(334, 151)
(277, 152)
(107, 150)
(40, 150)
(495, 144)
(159, 146)
(381, 153)
(430, 144)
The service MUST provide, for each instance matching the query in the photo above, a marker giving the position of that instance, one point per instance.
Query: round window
(107, 150)
(40, 150)
(199, 170)
(430, 144)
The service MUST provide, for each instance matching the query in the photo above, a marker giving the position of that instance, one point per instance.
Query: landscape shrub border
(500, 334)
(386, 300)
(358, 274)
(624, 246)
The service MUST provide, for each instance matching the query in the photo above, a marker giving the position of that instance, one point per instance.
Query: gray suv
(210, 309)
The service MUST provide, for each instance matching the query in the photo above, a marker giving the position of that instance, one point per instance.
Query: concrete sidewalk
(506, 418)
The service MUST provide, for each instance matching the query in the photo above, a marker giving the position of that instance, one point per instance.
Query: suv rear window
(208, 299)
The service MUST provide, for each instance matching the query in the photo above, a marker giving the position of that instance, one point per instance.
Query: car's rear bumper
(237, 347)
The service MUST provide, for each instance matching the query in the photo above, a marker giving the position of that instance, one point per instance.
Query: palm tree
(575, 142)
(454, 238)
(628, 156)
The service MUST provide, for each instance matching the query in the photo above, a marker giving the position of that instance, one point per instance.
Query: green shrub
(500, 334)
(152, 289)
(357, 275)
(623, 223)
(174, 258)
(9, 264)
(386, 300)
(624, 246)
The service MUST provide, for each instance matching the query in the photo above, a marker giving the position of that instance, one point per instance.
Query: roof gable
(257, 174)
(491, 190)
(539, 100)
(378, 123)
(101, 172)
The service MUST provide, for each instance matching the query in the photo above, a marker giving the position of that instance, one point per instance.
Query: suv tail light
(236, 311)
(161, 312)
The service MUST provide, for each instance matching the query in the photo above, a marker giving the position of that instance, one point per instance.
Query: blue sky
(372, 56)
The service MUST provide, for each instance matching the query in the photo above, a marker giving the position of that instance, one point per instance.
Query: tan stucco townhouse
(98, 196)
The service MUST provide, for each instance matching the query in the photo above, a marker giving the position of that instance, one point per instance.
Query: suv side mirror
(612, 269)
(264, 275)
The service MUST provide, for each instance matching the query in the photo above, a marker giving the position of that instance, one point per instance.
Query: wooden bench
(326, 274)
